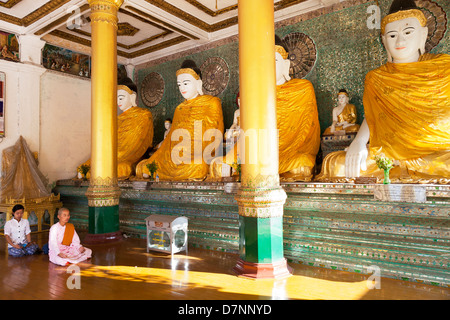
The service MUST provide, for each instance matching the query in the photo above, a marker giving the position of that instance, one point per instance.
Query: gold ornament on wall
(302, 53)
(436, 22)
(215, 75)
(152, 89)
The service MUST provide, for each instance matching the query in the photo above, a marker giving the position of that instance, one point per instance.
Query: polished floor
(124, 271)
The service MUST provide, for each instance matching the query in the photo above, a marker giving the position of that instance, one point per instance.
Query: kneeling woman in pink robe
(64, 244)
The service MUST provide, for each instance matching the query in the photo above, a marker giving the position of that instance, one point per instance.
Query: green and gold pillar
(103, 192)
(260, 197)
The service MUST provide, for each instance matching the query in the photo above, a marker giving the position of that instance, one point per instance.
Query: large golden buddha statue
(344, 116)
(135, 130)
(297, 123)
(407, 109)
(180, 156)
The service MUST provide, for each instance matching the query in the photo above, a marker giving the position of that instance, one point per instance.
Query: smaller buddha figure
(135, 130)
(344, 116)
(167, 126)
(233, 132)
(178, 157)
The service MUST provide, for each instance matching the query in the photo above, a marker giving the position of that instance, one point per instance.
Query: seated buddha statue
(198, 112)
(406, 106)
(344, 116)
(167, 125)
(135, 130)
(234, 130)
(297, 123)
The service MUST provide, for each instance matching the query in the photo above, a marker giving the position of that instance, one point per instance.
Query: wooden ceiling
(148, 29)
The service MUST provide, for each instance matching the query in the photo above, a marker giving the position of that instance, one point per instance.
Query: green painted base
(261, 239)
(103, 219)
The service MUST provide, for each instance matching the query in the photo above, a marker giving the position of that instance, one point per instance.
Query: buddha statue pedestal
(336, 142)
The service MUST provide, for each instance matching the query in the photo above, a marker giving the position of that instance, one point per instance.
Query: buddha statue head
(404, 32)
(167, 123)
(342, 97)
(126, 94)
(282, 62)
(189, 80)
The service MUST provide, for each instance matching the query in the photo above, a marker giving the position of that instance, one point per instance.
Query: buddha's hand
(355, 159)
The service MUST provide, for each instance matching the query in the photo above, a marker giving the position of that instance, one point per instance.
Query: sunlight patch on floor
(294, 287)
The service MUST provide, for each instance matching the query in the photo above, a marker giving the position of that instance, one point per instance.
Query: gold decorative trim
(85, 42)
(261, 202)
(57, 22)
(156, 22)
(97, 17)
(126, 29)
(105, 4)
(156, 47)
(9, 4)
(210, 12)
(70, 37)
(142, 42)
(11, 19)
(135, 16)
(131, 46)
(188, 71)
(105, 11)
(51, 198)
(35, 15)
(103, 192)
(283, 4)
(282, 52)
(103, 202)
(169, 8)
(400, 15)
(122, 87)
(104, 182)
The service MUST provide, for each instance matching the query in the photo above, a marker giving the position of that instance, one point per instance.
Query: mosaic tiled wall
(346, 50)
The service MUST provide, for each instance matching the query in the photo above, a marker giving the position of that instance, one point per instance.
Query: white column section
(31, 49)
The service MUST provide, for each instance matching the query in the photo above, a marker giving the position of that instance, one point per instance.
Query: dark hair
(401, 5)
(192, 65)
(168, 119)
(17, 207)
(281, 43)
(127, 82)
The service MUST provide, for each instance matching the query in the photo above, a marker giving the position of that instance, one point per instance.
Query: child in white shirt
(18, 234)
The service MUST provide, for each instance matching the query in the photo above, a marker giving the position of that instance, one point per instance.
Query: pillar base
(277, 270)
(103, 238)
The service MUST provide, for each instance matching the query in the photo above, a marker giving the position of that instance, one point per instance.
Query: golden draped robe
(348, 114)
(298, 129)
(205, 110)
(407, 109)
(134, 137)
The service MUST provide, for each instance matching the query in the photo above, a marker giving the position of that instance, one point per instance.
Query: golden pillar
(260, 197)
(103, 192)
